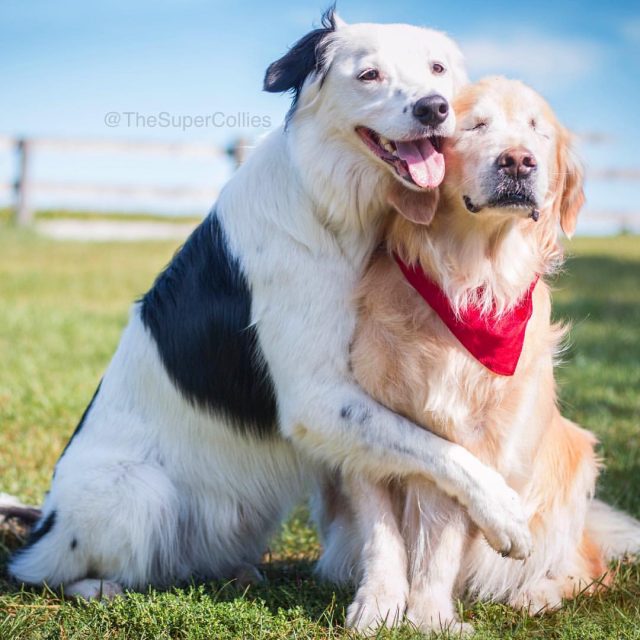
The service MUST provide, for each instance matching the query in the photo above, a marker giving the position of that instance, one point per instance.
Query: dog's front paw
(90, 589)
(452, 628)
(376, 606)
(501, 517)
(430, 620)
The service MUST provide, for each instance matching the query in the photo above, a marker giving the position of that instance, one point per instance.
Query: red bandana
(496, 342)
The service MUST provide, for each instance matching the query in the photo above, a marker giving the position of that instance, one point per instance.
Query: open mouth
(419, 162)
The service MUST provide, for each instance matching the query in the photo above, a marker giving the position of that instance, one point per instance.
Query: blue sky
(65, 64)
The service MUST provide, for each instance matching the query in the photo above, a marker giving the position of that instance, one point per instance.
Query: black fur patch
(305, 56)
(43, 527)
(199, 313)
(354, 413)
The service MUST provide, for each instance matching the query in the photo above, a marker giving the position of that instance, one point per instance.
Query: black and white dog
(230, 391)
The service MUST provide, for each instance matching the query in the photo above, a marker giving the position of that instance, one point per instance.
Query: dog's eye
(438, 68)
(533, 123)
(478, 126)
(369, 74)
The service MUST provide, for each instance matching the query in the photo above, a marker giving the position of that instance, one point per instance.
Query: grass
(62, 307)
(43, 215)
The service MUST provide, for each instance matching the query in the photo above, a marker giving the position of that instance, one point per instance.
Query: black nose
(431, 110)
(517, 162)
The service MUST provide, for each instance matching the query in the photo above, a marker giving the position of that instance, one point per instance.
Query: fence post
(238, 151)
(24, 213)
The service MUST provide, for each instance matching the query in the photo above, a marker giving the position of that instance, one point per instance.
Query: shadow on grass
(621, 488)
(600, 288)
(288, 584)
(600, 296)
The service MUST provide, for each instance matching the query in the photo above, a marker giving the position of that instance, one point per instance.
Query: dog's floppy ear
(304, 58)
(570, 194)
(416, 206)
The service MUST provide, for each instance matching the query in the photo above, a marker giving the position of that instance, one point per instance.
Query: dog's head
(382, 91)
(510, 156)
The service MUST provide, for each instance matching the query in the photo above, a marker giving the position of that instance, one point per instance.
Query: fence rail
(25, 186)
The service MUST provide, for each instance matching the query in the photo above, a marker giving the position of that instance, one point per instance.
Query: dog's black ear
(305, 57)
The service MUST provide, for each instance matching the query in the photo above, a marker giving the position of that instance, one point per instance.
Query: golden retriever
(485, 249)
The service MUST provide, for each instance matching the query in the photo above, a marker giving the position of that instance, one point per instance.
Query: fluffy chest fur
(407, 358)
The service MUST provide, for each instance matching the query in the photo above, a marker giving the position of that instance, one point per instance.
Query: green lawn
(62, 307)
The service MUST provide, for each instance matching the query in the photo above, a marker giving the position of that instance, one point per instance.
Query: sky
(67, 64)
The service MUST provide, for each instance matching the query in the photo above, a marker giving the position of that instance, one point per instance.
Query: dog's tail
(615, 532)
(12, 508)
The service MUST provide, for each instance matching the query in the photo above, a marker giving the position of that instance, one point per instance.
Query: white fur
(150, 487)
(383, 585)
(154, 489)
(616, 532)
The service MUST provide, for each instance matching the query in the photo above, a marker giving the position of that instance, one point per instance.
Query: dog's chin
(417, 163)
(506, 204)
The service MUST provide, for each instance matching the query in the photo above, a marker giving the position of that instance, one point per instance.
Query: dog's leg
(341, 424)
(435, 529)
(328, 417)
(333, 514)
(382, 593)
(90, 589)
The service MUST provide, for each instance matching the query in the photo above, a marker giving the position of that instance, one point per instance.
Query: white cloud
(631, 30)
(542, 60)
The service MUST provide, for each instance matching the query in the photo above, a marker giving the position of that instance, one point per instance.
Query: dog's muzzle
(513, 184)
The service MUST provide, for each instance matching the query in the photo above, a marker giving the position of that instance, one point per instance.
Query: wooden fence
(25, 186)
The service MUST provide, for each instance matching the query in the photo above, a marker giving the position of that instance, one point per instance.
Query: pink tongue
(426, 165)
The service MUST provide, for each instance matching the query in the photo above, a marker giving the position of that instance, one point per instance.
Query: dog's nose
(431, 110)
(517, 162)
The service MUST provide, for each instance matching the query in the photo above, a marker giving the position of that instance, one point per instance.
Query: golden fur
(406, 358)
